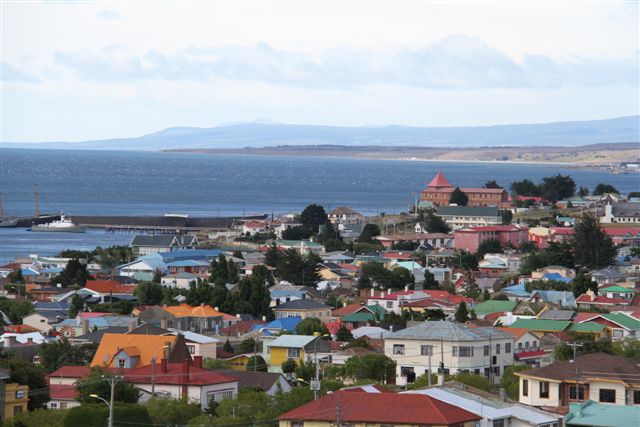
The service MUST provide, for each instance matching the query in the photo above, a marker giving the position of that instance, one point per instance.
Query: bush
(96, 415)
(38, 418)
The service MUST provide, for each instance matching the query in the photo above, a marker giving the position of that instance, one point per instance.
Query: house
(439, 192)
(197, 344)
(182, 280)
(623, 235)
(369, 310)
(100, 291)
(607, 275)
(590, 413)
(202, 319)
(541, 327)
(371, 332)
(303, 247)
(493, 306)
(278, 326)
(143, 267)
(596, 376)
(360, 409)
(269, 382)
(554, 272)
(524, 343)
(14, 398)
(239, 362)
(62, 386)
(451, 346)
(494, 411)
(590, 300)
(458, 217)
(182, 380)
(253, 227)
(135, 350)
(363, 316)
(566, 221)
(303, 308)
(422, 238)
(40, 322)
(149, 244)
(619, 325)
(470, 238)
(296, 347)
(553, 314)
(344, 215)
(193, 266)
(624, 213)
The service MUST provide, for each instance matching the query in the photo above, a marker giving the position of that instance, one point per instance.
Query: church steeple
(439, 182)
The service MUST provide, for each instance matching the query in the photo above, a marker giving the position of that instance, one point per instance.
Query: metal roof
(448, 331)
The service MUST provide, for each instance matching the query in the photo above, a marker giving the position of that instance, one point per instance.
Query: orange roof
(516, 332)
(439, 181)
(109, 286)
(185, 310)
(146, 346)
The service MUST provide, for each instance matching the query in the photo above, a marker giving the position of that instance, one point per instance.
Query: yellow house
(239, 362)
(295, 347)
(16, 398)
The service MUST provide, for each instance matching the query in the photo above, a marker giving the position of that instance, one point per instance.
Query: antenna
(36, 200)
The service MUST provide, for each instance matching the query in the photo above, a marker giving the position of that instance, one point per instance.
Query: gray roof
(557, 315)
(97, 335)
(469, 210)
(448, 331)
(626, 209)
(609, 273)
(162, 240)
(301, 304)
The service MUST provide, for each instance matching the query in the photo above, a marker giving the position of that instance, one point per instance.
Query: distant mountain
(621, 129)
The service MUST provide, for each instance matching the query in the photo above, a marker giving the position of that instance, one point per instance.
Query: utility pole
(575, 347)
(36, 199)
(430, 351)
(153, 376)
(338, 410)
(112, 382)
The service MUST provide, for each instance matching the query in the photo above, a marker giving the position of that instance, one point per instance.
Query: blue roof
(29, 272)
(277, 293)
(39, 305)
(562, 298)
(54, 270)
(558, 277)
(189, 254)
(286, 323)
(518, 290)
(100, 322)
(188, 263)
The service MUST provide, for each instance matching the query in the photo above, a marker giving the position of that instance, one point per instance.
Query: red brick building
(439, 191)
(470, 238)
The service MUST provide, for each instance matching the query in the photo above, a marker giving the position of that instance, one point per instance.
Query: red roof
(109, 286)
(562, 230)
(621, 231)
(381, 408)
(529, 354)
(490, 228)
(349, 267)
(583, 317)
(398, 255)
(241, 327)
(599, 299)
(439, 181)
(176, 374)
(71, 372)
(348, 309)
(446, 296)
(63, 392)
(429, 302)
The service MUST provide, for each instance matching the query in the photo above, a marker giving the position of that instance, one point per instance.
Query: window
(486, 350)
(617, 333)
(121, 363)
(53, 405)
(293, 353)
(465, 352)
(389, 304)
(426, 350)
(496, 371)
(406, 371)
(636, 397)
(576, 392)
(535, 344)
(499, 423)
(63, 405)
(525, 387)
(297, 424)
(191, 348)
(544, 389)
(497, 348)
(398, 349)
(487, 372)
(607, 395)
(526, 345)
(507, 347)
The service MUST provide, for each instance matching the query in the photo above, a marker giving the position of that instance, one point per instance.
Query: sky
(74, 71)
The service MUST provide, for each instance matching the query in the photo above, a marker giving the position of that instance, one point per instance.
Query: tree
(377, 367)
(172, 412)
(23, 372)
(96, 383)
(464, 260)
(227, 347)
(560, 253)
(37, 418)
(510, 382)
(16, 310)
(525, 188)
(557, 187)
(474, 380)
(489, 246)
(582, 283)
(311, 326)
(95, 415)
(593, 248)
(462, 314)
(604, 189)
(59, 353)
(627, 347)
(271, 256)
(486, 296)
(429, 280)
(148, 293)
(491, 184)
(297, 269)
(247, 346)
(313, 216)
(583, 191)
(458, 197)
(368, 233)
(257, 364)
(470, 288)
(157, 276)
(74, 273)
(506, 215)
(289, 367)
(300, 232)
(434, 223)
(76, 306)
(343, 334)
(16, 276)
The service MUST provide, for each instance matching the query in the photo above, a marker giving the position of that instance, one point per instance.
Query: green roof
(586, 327)
(494, 306)
(358, 317)
(541, 325)
(623, 320)
(594, 414)
(378, 309)
(615, 288)
(469, 210)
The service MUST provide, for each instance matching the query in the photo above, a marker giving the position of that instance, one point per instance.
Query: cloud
(11, 74)
(457, 62)
(108, 14)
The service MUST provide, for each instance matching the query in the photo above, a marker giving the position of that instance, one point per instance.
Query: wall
(277, 355)
(595, 386)
(13, 404)
(534, 398)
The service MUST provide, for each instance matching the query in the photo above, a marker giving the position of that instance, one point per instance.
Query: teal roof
(409, 265)
(590, 413)
(541, 325)
(297, 243)
(615, 288)
(358, 317)
(494, 306)
(586, 327)
(623, 320)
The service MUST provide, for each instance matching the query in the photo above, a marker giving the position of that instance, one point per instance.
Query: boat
(9, 222)
(63, 225)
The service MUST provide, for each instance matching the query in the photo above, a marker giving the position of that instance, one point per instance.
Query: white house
(451, 346)
(623, 213)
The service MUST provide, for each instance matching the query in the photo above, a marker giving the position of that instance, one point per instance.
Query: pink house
(470, 238)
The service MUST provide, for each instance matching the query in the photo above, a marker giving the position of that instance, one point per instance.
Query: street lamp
(316, 386)
(110, 419)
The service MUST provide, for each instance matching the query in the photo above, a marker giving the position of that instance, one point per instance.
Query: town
(514, 304)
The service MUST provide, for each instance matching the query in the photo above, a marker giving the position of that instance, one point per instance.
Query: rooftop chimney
(503, 395)
(373, 292)
(163, 365)
(9, 341)
(163, 323)
(85, 326)
(132, 325)
(197, 361)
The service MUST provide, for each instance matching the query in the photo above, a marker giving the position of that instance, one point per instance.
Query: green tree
(525, 188)
(510, 382)
(148, 293)
(458, 197)
(311, 326)
(462, 314)
(368, 233)
(16, 310)
(96, 383)
(157, 276)
(213, 364)
(37, 418)
(172, 412)
(507, 216)
(23, 372)
(429, 281)
(470, 287)
(271, 256)
(313, 216)
(60, 353)
(377, 367)
(489, 246)
(16, 276)
(343, 334)
(306, 370)
(227, 347)
(474, 380)
(491, 184)
(96, 414)
(76, 306)
(300, 232)
(289, 367)
(583, 191)
(464, 260)
(486, 296)
(582, 283)
(557, 187)
(604, 189)
(297, 269)
(257, 364)
(592, 247)
(74, 273)
(248, 346)
(627, 347)
(435, 223)
(232, 275)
